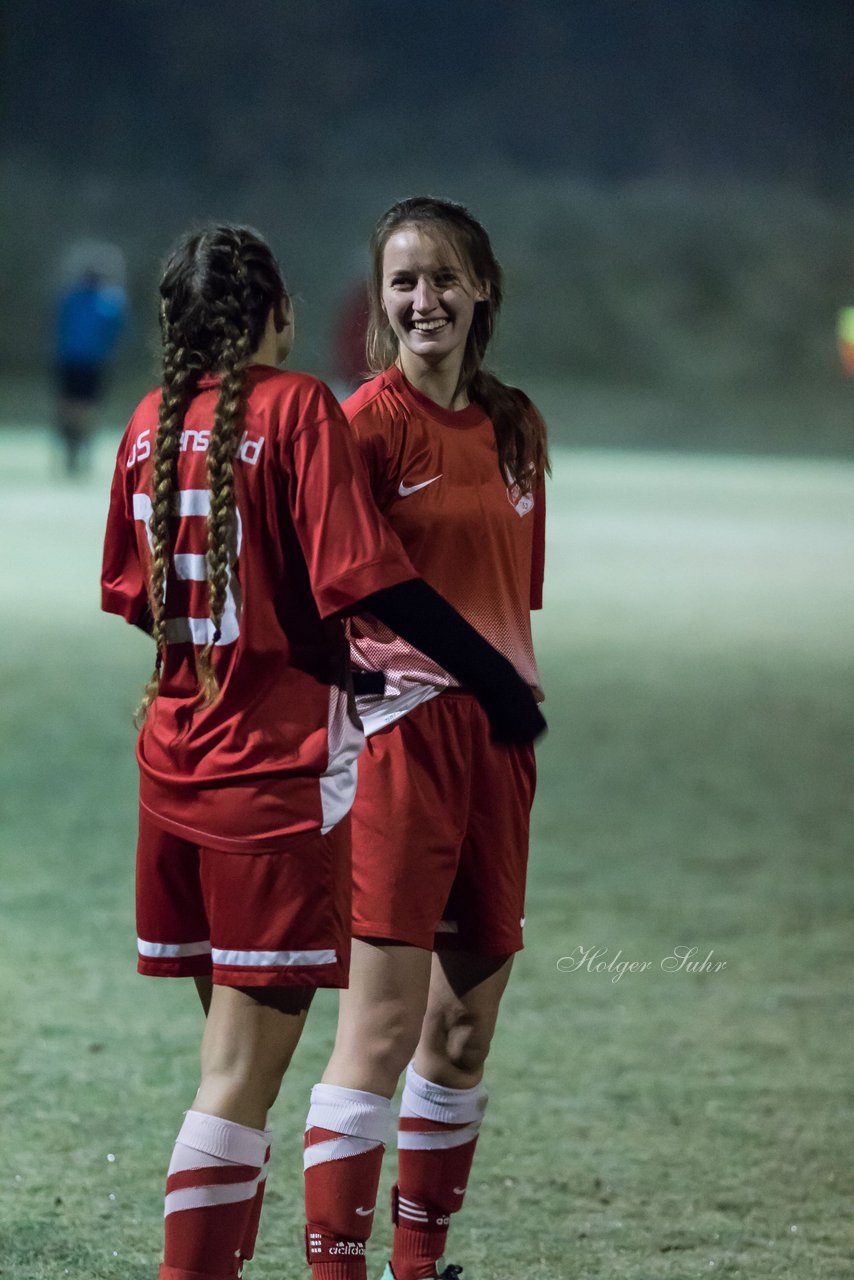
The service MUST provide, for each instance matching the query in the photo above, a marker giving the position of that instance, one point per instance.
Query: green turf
(694, 791)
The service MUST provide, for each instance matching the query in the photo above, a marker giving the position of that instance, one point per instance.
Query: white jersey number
(196, 503)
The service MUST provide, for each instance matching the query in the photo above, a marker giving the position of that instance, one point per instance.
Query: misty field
(687, 1116)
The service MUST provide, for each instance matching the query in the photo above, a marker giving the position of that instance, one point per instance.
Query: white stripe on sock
(349, 1111)
(203, 1197)
(411, 1210)
(429, 1101)
(231, 1142)
(336, 1149)
(440, 1141)
(184, 1158)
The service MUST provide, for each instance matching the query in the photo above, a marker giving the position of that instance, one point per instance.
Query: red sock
(210, 1191)
(345, 1136)
(436, 1138)
(247, 1249)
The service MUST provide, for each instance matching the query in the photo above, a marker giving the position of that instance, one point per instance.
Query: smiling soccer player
(440, 823)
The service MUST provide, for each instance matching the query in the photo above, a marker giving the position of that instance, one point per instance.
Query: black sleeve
(423, 618)
(145, 622)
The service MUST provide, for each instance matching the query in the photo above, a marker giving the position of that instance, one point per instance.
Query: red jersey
(474, 537)
(275, 754)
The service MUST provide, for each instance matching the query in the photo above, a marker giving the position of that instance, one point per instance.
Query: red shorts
(273, 919)
(440, 831)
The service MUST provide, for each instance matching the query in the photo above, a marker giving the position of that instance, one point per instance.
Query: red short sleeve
(123, 589)
(374, 436)
(349, 548)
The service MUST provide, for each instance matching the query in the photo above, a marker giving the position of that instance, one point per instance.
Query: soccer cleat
(451, 1272)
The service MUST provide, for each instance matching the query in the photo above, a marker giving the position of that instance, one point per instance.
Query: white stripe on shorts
(172, 950)
(273, 959)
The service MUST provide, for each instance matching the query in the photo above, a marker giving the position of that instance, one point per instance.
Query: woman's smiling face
(428, 295)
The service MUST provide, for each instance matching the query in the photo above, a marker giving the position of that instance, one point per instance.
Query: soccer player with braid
(440, 822)
(241, 532)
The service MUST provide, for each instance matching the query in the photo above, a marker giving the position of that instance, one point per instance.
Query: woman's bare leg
(380, 1016)
(249, 1039)
(462, 1010)
(443, 1105)
(349, 1117)
(216, 1175)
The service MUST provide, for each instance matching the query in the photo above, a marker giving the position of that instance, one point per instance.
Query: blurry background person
(90, 318)
(845, 338)
(348, 342)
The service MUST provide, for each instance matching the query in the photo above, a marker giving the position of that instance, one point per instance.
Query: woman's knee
(456, 1038)
(257, 1084)
(250, 1038)
(467, 1045)
(393, 1044)
(376, 1048)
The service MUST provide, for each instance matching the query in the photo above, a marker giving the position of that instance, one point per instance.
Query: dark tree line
(605, 88)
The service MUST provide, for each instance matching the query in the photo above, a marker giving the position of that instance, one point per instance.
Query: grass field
(694, 792)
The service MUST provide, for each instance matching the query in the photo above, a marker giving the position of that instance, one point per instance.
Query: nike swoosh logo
(406, 489)
(459, 1191)
(365, 1213)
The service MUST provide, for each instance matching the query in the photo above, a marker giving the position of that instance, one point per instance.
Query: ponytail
(216, 293)
(179, 383)
(228, 423)
(520, 431)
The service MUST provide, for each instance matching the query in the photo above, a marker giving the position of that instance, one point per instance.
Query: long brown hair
(215, 296)
(520, 432)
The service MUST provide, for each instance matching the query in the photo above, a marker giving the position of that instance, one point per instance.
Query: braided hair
(216, 293)
(520, 432)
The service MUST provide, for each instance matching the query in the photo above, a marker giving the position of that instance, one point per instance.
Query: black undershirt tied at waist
(419, 615)
(368, 684)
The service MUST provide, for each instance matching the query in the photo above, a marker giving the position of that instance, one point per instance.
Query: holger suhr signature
(679, 960)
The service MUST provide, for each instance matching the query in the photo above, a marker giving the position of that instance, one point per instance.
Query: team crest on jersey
(521, 502)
